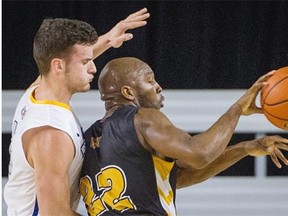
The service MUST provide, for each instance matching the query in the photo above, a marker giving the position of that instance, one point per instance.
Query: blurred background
(204, 54)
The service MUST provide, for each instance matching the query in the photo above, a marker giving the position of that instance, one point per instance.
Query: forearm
(188, 176)
(101, 46)
(213, 142)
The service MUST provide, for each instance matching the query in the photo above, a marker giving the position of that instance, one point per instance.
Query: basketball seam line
(273, 104)
(275, 116)
(273, 87)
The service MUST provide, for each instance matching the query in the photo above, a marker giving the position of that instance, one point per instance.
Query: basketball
(274, 98)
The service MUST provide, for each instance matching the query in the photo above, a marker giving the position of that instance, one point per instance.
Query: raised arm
(118, 35)
(270, 145)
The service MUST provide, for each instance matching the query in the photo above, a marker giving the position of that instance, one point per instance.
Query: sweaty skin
(130, 81)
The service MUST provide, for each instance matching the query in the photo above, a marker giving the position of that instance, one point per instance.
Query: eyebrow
(87, 59)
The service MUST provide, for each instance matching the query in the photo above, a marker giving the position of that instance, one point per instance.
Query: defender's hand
(117, 35)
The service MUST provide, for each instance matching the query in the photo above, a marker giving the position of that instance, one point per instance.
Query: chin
(87, 88)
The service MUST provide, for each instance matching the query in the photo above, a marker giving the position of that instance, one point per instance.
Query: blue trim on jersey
(36, 209)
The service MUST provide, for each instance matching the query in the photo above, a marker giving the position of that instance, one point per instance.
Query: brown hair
(56, 37)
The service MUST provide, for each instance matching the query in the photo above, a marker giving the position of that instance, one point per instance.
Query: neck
(48, 90)
(111, 104)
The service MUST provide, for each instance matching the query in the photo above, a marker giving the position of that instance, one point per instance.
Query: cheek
(77, 76)
(148, 98)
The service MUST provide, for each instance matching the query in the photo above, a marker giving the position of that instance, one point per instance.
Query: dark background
(188, 44)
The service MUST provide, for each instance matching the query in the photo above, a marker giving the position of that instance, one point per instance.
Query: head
(59, 42)
(129, 81)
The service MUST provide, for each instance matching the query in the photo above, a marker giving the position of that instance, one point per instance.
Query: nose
(92, 68)
(158, 89)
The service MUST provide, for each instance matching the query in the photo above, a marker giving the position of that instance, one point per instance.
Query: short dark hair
(56, 37)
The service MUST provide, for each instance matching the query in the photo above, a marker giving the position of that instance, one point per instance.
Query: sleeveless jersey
(119, 176)
(20, 192)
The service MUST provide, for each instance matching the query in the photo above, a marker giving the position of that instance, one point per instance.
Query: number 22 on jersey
(111, 181)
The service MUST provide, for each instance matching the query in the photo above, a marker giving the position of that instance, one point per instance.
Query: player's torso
(121, 176)
(20, 193)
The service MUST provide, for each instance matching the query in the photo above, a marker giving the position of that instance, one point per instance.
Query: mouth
(90, 80)
(162, 101)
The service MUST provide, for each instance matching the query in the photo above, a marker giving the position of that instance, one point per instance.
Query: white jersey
(20, 193)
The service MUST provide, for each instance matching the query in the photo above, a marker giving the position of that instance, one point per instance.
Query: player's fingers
(281, 140)
(117, 42)
(275, 160)
(280, 156)
(137, 18)
(266, 76)
(257, 86)
(282, 146)
(138, 13)
(132, 25)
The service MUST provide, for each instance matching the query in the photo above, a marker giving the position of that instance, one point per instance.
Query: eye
(152, 81)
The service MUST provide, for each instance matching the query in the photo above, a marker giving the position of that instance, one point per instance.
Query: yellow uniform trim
(166, 195)
(56, 103)
(163, 167)
(169, 198)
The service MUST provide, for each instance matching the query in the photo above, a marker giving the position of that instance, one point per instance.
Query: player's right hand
(248, 101)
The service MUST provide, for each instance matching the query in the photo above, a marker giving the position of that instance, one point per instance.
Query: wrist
(237, 108)
(247, 146)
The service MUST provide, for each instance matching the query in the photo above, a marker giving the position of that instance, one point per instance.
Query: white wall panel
(195, 111)
(191, 110)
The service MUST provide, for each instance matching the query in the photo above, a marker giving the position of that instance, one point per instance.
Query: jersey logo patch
(23, 112)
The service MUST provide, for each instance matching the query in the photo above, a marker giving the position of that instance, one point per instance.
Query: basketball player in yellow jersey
(47, 144)
(136, 158)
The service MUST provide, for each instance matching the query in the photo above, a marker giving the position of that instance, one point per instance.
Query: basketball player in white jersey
(47, 144)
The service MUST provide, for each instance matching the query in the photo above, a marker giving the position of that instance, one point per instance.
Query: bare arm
(197, 151)
(117, 35)
(156, 131)
(187, 175)
(50, 152)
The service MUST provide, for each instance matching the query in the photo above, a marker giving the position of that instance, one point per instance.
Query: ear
(128, 92)
(57, 64)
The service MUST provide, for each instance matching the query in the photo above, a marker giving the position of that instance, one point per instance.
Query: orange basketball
(274, 98)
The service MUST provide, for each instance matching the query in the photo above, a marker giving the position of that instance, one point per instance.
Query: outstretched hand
(117, 35)
(270, 145)
(248, 101)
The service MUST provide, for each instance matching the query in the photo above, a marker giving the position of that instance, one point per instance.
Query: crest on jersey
(95, 142)
(23, 112)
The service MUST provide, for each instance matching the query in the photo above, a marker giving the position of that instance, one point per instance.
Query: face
(148, 91)
(80, 69)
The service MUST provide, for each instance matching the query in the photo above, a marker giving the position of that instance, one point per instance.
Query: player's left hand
(117, 35)
(270, 145)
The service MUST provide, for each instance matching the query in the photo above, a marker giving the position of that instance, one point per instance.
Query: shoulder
(49, 139)
(46, 139)
(148, 117)
(150, 114)
(48, 133)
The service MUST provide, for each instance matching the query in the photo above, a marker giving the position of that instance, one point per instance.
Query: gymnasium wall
(252, 187)
(190, 45)
(204, 54)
